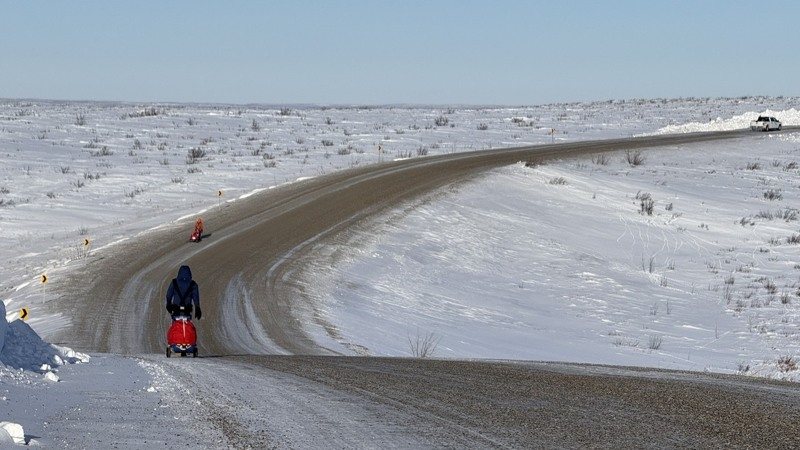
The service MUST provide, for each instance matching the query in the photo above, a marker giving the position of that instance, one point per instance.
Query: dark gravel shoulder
(566, 406)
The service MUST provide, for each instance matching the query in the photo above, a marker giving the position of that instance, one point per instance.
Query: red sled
(182, 337)
(196, 236)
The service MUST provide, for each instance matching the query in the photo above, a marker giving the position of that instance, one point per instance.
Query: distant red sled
(182, 336)
(197, 234)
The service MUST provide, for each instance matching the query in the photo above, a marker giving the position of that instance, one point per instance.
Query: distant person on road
(197, 234)
(183, 291)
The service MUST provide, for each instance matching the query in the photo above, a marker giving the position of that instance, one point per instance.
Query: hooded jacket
(187, 287)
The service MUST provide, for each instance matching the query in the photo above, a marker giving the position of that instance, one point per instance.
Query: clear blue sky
(448, 51)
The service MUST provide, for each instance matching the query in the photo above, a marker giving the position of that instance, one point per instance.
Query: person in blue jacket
(183, 291)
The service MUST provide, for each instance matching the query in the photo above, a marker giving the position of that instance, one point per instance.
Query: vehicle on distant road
(765, 123)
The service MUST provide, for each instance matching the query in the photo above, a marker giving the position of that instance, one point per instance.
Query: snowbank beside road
(11, 433)
(22, 348)
(788, 117)
(25, 350)
(24, 357)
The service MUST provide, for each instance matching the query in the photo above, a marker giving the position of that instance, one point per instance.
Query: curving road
(245, 264)
(250, 307)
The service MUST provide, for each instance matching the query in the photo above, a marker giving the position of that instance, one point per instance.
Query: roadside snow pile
(11, 433)
(21, 348)
(788, 117)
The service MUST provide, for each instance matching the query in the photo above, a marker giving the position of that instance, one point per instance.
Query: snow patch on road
(241, 325)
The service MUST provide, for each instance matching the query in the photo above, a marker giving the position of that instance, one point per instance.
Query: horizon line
(307, 105)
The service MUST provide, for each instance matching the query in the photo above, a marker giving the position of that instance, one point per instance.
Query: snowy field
(101, 172)
(555, 262)
(690, 260)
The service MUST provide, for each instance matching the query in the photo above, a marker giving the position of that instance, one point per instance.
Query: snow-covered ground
(71, 172)
(741, 121)
(516, 265)
(559, 262)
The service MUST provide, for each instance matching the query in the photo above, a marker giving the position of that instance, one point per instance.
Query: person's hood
(184, 274)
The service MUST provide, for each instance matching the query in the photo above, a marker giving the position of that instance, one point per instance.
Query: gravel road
(356, 402)
(250, 306)
(497, 404)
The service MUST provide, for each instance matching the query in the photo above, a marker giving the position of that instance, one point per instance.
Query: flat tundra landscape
(661, 236)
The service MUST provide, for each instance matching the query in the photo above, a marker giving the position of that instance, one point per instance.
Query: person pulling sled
(197, 234)
(183, 297)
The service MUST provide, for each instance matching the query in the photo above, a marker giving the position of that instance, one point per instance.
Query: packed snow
(488, 269)
(12, 433)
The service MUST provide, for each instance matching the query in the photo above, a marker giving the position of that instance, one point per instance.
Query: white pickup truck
(765, 123)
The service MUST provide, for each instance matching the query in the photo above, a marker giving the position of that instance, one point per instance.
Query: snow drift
(22, 348)
(788, 117)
